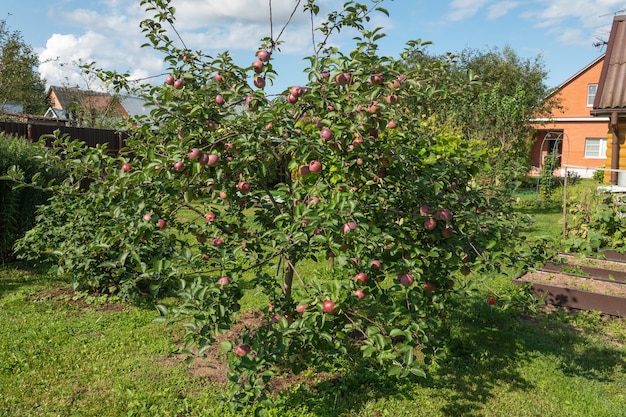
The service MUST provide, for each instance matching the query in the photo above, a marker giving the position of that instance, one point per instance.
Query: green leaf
(226, 346)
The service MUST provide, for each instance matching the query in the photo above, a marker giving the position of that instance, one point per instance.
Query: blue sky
(65, 32)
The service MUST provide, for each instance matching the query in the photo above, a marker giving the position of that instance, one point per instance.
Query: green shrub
(18, 205)
(598, 221)
(598, 176)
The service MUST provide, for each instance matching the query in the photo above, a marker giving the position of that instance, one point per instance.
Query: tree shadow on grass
(489, 347)
(488, 350)
(15, 276)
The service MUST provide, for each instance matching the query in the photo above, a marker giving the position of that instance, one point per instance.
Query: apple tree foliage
(225, 186)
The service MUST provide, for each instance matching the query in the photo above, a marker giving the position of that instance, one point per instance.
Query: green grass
(60, 357)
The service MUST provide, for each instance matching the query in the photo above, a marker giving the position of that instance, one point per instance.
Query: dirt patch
(593, 262)
(580, 283)
(69, 296)
(213, 367)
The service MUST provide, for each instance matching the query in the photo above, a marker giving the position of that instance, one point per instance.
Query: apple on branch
(328, 306)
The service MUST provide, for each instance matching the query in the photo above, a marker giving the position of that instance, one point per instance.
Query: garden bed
(573, 291)
(581, 283)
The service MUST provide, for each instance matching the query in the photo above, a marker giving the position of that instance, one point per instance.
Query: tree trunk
(288, 280)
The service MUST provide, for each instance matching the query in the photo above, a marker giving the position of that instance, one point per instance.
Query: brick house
(91, 108)
(571, 131)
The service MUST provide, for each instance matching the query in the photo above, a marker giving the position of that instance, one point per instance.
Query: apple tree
(225, 186)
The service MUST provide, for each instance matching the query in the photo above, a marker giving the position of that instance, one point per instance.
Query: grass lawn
(66, 356)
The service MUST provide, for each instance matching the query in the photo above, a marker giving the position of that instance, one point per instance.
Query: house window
(595, 148)
(591, 94)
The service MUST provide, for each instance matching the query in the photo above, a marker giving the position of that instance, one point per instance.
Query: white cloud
(464, 9)
(501, 8)
(575, 22)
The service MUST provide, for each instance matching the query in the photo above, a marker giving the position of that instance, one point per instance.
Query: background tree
(19, 80)
(505, 93)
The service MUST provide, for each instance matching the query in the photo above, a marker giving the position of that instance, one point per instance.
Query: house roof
(135, 106)
(611, 94)
(127, 105)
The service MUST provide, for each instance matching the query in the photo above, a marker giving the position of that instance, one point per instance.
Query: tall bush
(18, 205)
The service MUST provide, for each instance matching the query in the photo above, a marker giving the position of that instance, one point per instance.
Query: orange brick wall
(576, 123)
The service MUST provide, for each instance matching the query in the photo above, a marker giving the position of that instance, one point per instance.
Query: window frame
(591, 97)
(602, 148)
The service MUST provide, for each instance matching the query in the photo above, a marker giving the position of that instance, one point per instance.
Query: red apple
(424, 210)
(430, 223)
(492, 301)
(169, 80)
(257, 66)
(326, 134)
(242, 350)
(312, 201)
(376, 264)
(348, 226)
(305, 170)
(194, 153)
(219, 78)
(147, 216)
(359, 294)
(328, 306)
(179, 165)
(343, 78)
(429, 287)
(217, 242)
(212, 159)
(251, 103)
(244, 187)
(325, 74)
(301, 308)
(203, 159)
(361, 277)
(209, 217)
(178, 84)
(407, 280)
(447, 232)
(391, 124)
(263, 55)
(259, 82)
(162, 224)
(126, 167)
(292, 99)
(377, 79)
(211, 125)
(223, 195)
(445, 214)
(296, 91)
(315, 166)
(223, 280)
(391, 99)
(219, 99)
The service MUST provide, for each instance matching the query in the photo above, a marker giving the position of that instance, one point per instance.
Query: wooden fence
(92, 137)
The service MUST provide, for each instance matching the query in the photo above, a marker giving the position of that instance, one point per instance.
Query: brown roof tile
(611, 94)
